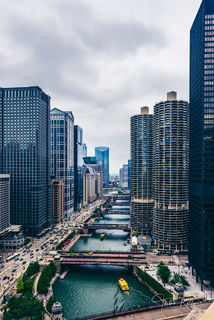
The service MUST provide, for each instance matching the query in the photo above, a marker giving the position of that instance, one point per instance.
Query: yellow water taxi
(102, 236)
(123, 285)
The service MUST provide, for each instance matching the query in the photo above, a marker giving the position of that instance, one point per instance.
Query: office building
(85, 152)
(201, 241)
(141, 171)
(102, 155)
(129, 174)
(4, 201)
(91, 184)
(124, 177)
(57, 191)
(171, 173)
(25, 155)
(91, 162)
(79, 150)
(62, 155)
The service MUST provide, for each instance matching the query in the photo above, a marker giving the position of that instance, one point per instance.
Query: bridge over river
(107, 226)
(103, 258)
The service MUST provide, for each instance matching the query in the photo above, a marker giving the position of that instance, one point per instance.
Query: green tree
(20, 285)
(179, 279)
(136, 233)
(50, 303)
(164, 272)
(17, 308)
(28, 282)
(33, 268)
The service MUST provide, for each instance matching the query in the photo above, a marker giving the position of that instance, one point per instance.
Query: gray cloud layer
(102, 59)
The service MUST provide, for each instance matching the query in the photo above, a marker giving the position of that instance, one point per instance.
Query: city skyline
(72, 63)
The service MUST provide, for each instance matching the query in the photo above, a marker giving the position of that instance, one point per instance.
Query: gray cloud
(102, 59)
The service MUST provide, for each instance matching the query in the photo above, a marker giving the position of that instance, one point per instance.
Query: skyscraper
(102, 155)
(141, 172)
(4, 201)
(124, 172)
(78, 163)
(170, 173)
(25, 155)
(62, 155)
(57, 192)
(201, 241)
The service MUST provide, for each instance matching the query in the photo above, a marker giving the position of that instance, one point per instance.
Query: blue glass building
(78, 163)
(201, 236)
(25, 155)
(102, 155)
(62, 155)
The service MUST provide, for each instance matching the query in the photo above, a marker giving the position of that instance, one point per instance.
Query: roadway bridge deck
(111, 211)
(106, 226)
(122, 259)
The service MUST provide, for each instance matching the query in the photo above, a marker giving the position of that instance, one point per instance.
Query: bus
(12, 257)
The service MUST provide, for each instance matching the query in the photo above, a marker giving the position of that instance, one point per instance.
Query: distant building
(201, 232)
(57, 190)
(91, 184)
(4, 201)
(78, 163)
(141, 171)
(124, 176)
(102, 155)
(25, 155)
(84, 150)
(91, 162)
(170, 160)
(62, 155)
(129, 174)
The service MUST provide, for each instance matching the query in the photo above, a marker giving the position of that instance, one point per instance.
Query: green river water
(89, 290)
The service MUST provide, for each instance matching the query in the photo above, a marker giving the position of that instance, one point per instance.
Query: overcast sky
(101, 59)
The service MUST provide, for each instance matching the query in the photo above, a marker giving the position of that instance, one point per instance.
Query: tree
(28, 282)
(21, 307)
(179, 279)
(164, 272)
(20, 285)
(33, 268)
(136, 233)
(50, 303)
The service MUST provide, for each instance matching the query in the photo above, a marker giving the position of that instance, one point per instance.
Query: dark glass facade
(201, 235)
(62, 155)
(141, 171)
(171, 174)
(25, 155)
(102, 155)
(78, 163)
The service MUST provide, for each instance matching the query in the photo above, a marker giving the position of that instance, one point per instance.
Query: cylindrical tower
(170, 173)
(141, 172)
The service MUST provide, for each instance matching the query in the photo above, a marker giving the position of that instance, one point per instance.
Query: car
(5, 278)
(37, 249)
(14, 270)
(24, 262)
(90, 253)
(41, 259)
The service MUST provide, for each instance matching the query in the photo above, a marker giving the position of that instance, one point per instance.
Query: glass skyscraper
(141, 171)
(25, 155)
(201, 236)
(62, 155)
(78, 163)
(102, 155)
(171, 173)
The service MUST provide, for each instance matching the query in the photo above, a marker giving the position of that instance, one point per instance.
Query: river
(89, 290)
